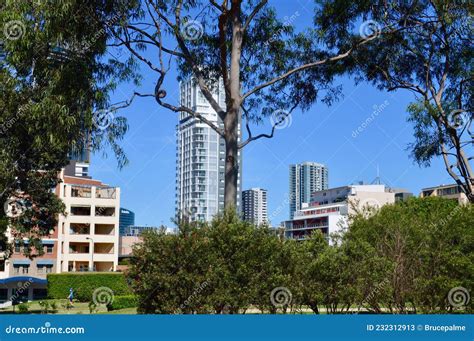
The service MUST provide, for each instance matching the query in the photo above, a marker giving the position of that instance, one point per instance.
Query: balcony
(104, 248)
(105, 229)
(105, 193)
(78, 248)
(77, 229)
(102, 211)
(80, 210)
(80, 192)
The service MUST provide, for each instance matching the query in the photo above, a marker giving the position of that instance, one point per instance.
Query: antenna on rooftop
(377, 180)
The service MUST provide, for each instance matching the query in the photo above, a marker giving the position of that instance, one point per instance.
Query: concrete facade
(329, 209)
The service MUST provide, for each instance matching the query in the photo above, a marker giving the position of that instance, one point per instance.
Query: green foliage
(414, 252)
(404, 258)
(47, 306)
(23, 308)
(123, 302)
(84, 284)
(420, 46)
(92, 307)
(54, 75)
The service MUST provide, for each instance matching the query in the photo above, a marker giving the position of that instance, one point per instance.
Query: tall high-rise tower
(306, 178)
(200, 153)
(254, 206)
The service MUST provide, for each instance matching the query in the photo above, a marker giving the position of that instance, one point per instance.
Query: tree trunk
(231, 160)
(231, 120)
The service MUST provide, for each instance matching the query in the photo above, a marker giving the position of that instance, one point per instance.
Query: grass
(78, 308)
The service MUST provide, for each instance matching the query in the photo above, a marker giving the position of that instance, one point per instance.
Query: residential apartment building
(200, 154)
(86, 239)
(304, 179)
(453, 192)
(328, 210)
(254, 206)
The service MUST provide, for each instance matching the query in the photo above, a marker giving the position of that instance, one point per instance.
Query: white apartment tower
(305, 179)
(200, 153)
(254, 206)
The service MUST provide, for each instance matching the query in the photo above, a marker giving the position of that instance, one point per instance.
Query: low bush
(84, 285)
(123, 302)
(23, 308)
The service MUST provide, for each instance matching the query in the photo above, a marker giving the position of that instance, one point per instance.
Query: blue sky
(323, 134)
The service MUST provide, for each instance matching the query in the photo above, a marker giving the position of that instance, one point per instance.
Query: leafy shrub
(23, 308)
(84, 284)
(123, 302)
(92, 307)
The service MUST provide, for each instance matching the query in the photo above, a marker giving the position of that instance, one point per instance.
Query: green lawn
(78, 308)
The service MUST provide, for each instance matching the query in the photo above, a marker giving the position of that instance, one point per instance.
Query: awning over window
(23, 279)
(47, 242)
(21, 262)
(45, 262)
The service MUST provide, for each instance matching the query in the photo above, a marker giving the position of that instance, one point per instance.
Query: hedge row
(122, 302)
(84, 285)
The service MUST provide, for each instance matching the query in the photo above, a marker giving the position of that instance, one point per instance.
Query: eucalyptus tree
(430, 54)
(267, 67)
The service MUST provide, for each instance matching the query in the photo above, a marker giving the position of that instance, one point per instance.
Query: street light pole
(92, 249)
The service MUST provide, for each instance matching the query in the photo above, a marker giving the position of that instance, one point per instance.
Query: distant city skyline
(323, 134)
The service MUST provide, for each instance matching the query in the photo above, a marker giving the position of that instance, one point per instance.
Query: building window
(3, 295)
(49, 249)
(20, 269)
(17, 248)
(2, 265)
(45, 268)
